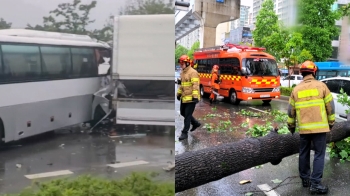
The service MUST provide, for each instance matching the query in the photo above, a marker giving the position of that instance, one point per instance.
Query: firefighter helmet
(184, 58)
(308, 67)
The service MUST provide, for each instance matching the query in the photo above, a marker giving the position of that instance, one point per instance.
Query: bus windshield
(260, 67)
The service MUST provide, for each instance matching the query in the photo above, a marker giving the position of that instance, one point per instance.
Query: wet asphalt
(336, 175)
(76, 150)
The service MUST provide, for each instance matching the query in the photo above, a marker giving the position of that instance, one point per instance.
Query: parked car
(294, 79)
(177, 76)
(335, 84)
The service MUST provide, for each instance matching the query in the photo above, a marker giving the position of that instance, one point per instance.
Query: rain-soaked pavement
(336, 175)
(78, 152)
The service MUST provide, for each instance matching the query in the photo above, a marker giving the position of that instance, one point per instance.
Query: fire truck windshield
(260, 67)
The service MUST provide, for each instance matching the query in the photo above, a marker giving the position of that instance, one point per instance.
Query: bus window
(104, 60)
(201, 68)
(1, 67)
(229, 66)
(84, 63)
(260, 67)
(331, 74)
(342, 73)
(56, 61)
(21, 61)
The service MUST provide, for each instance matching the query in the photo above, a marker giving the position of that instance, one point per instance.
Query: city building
(241, 35)
(190, 39)
(243, 20)
(286, 10)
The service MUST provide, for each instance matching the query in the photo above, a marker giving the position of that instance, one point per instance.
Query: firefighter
(188, 94)
(312, 105)
(215, 79)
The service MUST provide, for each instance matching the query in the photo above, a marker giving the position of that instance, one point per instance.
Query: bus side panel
(229, 82)
(7, 116)
(205, 81)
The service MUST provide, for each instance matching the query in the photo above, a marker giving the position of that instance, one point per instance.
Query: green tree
(305, 55)
(266, 23)
(180, 50)
(68, 18)
(144, 7)
(4, 24)
(194, 47)
(318, 27)
(106, 33)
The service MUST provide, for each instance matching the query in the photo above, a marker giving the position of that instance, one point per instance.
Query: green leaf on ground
(276, 181)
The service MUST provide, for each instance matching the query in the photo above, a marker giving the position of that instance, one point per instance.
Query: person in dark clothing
(188, 94)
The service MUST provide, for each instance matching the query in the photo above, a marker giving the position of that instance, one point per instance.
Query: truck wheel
(233, 98)
(203, 94)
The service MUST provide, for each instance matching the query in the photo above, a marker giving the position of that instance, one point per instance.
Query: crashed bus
(47, 81)
(246, 73)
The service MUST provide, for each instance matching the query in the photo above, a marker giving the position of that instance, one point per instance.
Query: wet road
(336, 175)
(75, 152)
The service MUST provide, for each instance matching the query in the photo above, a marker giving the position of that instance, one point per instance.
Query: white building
(189, 39)
(243, 20)
(286, 10)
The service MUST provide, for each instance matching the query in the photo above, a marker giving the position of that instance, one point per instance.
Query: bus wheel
(233, 97)
(2, 132)
(203, 94)
(266, 101)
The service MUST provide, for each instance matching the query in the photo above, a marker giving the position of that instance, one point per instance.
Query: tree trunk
(196, 168)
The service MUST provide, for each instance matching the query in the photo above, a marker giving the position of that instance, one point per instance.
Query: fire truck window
(202, 66)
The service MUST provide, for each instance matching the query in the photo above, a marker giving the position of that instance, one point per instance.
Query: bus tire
(203, 94)
(266, 101)
(233, 97)
(2, 132)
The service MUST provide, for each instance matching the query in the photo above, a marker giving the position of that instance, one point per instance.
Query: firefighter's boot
(183, 136)
(318, 189)
(195, 126)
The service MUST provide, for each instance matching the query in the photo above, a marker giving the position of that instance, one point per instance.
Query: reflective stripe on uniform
(179, 90)
(328, 98)
(186, 83)
(331, 117)
(194, 92)
(194, 79)
(291, 102)
(291, 120)
(308, 93)
(187, 98)
(314, 125)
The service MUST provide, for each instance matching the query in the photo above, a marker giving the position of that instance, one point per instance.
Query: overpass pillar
(211, 13)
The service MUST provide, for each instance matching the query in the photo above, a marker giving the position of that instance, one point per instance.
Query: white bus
(47, 81)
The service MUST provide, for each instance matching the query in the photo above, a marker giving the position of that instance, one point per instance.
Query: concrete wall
(211, 14)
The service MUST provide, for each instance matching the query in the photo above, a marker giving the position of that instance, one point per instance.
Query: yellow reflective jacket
(189, 87)
(311, 105)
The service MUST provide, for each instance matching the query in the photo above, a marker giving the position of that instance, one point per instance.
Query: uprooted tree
(196, 168)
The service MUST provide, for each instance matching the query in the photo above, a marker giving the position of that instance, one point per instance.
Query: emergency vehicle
(246, 73)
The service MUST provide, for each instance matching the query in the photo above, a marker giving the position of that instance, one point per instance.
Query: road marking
(48, 174)
(127, 164)
(265, 188)
(258, 110)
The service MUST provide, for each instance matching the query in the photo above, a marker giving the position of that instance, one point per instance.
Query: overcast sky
(22, 12)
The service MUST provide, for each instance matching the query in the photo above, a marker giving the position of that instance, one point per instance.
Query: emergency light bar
(232, 48)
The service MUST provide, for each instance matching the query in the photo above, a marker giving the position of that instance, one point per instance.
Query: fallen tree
(196, 168)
